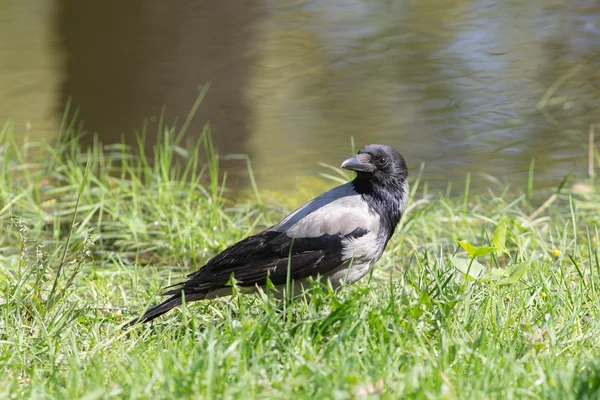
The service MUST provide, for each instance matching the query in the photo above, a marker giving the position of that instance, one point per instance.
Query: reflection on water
(29, 70)
(463, 86)
(128, 61)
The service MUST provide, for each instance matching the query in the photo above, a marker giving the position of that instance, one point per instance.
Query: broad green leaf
(481, 251)
(499, 241)
(475, 271)
(473, 251)
(514, 273)
(469, 248)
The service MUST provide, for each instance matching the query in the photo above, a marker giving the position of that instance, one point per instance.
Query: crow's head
(379, 164)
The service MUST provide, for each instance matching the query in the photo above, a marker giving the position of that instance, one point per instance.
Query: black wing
(269, 253)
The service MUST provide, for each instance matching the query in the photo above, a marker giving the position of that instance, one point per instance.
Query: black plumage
(339, 236)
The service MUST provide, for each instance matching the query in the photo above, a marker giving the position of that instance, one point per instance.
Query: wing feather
(269, 254)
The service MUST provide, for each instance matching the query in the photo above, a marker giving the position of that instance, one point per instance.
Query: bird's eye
(381, 161)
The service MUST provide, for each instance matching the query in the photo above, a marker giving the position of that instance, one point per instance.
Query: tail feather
(167, 305)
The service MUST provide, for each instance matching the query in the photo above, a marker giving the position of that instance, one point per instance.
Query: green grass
(417, 328)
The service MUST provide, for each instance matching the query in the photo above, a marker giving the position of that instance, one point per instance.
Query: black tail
(164, 307)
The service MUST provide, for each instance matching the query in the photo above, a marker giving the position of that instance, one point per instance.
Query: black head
(378, 164)
(381, 179)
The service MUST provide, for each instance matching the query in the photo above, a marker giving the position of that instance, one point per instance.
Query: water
(476, 87)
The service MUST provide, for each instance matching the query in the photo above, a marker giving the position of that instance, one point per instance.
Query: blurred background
(463, 86)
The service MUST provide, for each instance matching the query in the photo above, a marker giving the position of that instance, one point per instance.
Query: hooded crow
(338, 236)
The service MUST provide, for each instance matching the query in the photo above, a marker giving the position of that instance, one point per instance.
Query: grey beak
(359, 163)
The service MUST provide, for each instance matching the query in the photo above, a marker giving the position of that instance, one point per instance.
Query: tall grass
(418, 327)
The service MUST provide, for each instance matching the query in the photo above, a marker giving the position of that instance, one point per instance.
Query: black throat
(383, 197)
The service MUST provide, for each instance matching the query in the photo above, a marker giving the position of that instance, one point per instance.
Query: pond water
(463, 86)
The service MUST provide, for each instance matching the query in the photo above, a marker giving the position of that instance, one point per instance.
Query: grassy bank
(89, 238)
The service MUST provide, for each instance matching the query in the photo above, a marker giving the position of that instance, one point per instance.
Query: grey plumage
(340, 211)
(338, 236)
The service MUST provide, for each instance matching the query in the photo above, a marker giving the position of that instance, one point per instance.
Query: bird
(337, 236)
